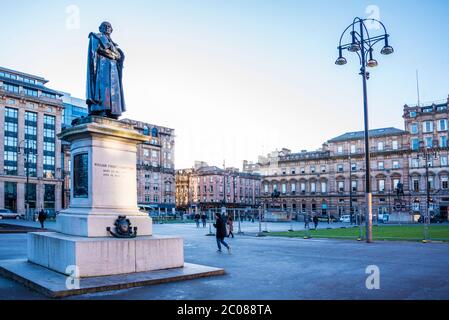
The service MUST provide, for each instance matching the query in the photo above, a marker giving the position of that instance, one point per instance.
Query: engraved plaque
(80, 176)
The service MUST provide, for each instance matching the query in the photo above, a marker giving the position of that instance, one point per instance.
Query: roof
(23, 74)
(376, 133)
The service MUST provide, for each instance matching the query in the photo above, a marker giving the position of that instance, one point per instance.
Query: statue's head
(106, 28)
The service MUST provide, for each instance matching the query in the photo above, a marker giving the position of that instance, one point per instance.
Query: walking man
(315, 221)
(197, 220)
(42, 217)
(203, 219)
(230, 224)
(221, 232)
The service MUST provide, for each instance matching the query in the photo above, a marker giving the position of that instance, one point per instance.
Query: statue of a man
(104, 74)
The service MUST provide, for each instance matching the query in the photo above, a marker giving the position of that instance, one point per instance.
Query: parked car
(346, 218)
(8, 214)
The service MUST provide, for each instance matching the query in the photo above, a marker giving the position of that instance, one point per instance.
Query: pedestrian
(42, 217)
(221, 232)
(203, 219)
(315, 221)
(230, 225)
(197, 220)
(306, 221)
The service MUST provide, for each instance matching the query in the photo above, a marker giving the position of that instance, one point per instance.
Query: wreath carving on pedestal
(123, 228)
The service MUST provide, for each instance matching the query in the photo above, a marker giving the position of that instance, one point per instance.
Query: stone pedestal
(103, 172)
(104, 187)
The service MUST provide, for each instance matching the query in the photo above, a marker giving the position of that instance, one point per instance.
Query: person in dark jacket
(203, 219)
(220, 234)
(197, 220)
(42, 217)
(230, 228)
(315, 221)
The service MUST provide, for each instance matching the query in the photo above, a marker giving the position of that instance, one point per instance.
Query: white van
(346, 218)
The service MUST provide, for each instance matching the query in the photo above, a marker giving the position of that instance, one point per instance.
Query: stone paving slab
(54, 285)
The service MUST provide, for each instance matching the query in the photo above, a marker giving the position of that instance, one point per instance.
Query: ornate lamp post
(362, 44)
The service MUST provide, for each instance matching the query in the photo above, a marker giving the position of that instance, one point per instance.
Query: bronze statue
(104, 75)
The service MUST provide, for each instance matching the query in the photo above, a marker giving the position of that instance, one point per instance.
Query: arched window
(154, 132)
(146, 131)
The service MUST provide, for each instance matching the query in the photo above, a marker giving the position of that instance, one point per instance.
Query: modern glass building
(30, 118)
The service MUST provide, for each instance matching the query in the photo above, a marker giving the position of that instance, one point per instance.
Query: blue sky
(236, 79)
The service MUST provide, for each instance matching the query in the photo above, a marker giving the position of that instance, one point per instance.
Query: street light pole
(350, 191)
(361, 41)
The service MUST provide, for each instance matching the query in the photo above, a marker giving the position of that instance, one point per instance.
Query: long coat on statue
(104, 76)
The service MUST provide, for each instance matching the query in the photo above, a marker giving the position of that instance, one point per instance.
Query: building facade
(30, 152)
(155, 167)
(331, 180)
(206, 187)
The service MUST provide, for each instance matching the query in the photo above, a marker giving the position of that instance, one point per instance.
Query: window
(340, 150)
(444, 183)
(381, 185)
(303, 170)
(265, 188)
(431, 183)
(353, 150)
(293, 171)
(427, 126)
(354, 185)
(442, 125)
(284, 188)
(395, 145)
(313, 187)
(380, 165)
(293, 187)
(429, 142)
(395, 183)
(303, 187)
(312, 169)
(412, 114)
(323, 169)
(10, 88)
(415, 163)
(341, 186)
(443, 160)
(415, 144)
(414, 128)
(415, 184)
(380, 146)
(353, 167)
(30, 92)
(323, 187)
(395, 164)
(443, 142)
(340, 168)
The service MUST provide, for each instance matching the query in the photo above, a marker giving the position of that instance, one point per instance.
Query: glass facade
(49, 197)
(71, 113)
(31, 142)
(49, 146)
(11, 143)
(11, 196)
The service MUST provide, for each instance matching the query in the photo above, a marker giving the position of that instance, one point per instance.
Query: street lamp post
(26, 153)
(362, 44)
(350, 190)
(427, 154)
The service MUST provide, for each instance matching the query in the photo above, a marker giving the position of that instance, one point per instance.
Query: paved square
(279, 268)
